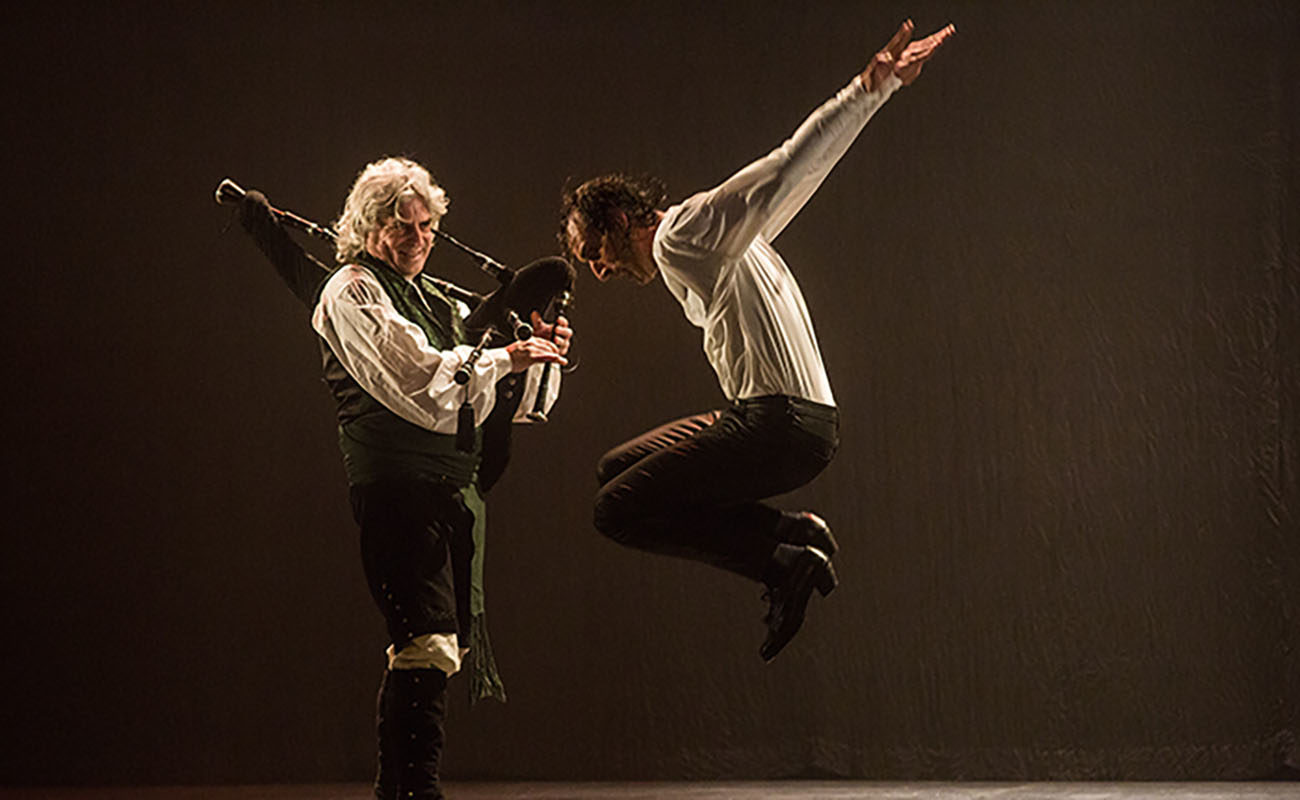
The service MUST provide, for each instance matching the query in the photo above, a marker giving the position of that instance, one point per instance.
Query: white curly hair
(374, 200)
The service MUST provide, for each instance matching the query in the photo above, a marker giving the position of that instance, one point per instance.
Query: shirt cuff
(501, 363)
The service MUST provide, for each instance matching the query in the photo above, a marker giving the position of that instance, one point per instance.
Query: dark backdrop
(1055, 284)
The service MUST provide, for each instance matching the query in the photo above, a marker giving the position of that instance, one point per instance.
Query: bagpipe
(544, 285)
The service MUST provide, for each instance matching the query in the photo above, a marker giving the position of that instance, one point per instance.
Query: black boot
(386, 771)
(805, 527)
(418, 706)
(794, 573)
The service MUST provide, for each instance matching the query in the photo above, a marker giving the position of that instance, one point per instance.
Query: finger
(918, 55)
(939, 37)
(900, 38)
(920, 51)
(933, 40)
(896, 44)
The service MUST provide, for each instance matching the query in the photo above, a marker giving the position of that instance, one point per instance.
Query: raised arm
(762, 198)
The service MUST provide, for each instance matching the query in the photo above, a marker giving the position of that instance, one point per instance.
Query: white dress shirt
(715, 255)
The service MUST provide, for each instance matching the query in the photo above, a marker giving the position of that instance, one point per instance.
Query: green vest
(378, 444)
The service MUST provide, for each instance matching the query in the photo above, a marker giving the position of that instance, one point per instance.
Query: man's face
(612, 254)
(404, 240)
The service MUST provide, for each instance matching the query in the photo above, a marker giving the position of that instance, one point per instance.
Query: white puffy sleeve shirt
(714, 252)
(392, 359)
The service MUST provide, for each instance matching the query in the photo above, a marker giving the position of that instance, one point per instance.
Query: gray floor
(746, 790)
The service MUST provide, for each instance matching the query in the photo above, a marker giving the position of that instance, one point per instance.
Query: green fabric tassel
(484, 680)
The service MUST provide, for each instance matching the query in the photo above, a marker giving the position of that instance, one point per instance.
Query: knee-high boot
(417, 704)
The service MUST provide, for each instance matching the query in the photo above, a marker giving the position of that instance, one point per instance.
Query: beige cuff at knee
(437, 650)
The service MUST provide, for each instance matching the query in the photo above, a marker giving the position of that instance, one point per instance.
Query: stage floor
(722, 790)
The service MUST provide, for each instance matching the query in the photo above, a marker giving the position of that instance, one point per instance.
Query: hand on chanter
(560, 332)
(533, 351)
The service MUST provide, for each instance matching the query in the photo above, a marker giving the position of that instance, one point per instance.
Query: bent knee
(603, 520)
(608, 468)
(609, 516)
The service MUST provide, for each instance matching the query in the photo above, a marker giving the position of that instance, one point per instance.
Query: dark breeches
(691, 488)
(416, 546)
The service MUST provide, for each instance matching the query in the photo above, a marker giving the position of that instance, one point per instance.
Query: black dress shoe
(809, 569)
(805, 527)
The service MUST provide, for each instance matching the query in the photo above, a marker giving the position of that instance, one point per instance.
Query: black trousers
(691, 488)
(416, 547)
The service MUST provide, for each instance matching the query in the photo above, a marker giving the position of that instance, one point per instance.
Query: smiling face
(623, 252)
(405, 239)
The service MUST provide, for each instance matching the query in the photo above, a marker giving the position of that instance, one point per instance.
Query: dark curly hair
(596, 200)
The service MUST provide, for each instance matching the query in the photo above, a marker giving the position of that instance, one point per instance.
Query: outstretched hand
(903, 57)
